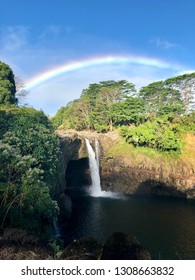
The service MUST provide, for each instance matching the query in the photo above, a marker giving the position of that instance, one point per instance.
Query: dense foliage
(98, 108)
(29, 153)
(29, 161)
(185, 84)
(157, 116)
(7, 85)
(157, 134)
(161, 100)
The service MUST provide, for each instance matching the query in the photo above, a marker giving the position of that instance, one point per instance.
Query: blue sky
(39, 35)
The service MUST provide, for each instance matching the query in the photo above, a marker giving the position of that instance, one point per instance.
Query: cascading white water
(94, 169)
(95, 189)
(97, 152)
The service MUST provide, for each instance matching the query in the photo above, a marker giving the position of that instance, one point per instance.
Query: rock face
(72, 149)
(70, 145)
(128, 171)
(144, 181)
(121, 246)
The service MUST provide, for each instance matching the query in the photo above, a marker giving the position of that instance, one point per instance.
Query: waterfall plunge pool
(164, 226)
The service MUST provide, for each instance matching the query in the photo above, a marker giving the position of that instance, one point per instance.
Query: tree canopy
(153, 117)
(96, 107)
(161, 100)
(7, 85)
(185, 84)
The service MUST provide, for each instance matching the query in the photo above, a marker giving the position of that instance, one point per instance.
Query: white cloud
(51, 31)
(55, 31)
(14, 38)
(162, 43)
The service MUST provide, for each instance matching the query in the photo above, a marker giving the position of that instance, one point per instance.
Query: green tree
(129, 111)
(22, 185)
(29, 159)
(102, 97)
(120, 90)
(159, 134)
(62, 117)
(94, 109)
(81, 113)
(76, 115)
(7, 85)
(161, 100)
(185, 84)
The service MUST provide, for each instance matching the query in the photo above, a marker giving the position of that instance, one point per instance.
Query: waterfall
(97, 152)
(94, 168)
(94, 157)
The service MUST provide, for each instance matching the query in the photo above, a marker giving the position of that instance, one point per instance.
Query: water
(164, 226)
(97, 152)
(95, 189)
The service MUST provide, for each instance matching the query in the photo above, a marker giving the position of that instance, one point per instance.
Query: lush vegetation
(157, 116)
(29, 154)
(97, 107)
(159, 134)
(7, 85)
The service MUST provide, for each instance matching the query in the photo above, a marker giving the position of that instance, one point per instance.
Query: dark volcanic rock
(78, 174)
(86, 248)
(121, 246)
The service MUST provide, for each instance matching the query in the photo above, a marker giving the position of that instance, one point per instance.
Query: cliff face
(71, 146)
(134, 171)
(138, 171)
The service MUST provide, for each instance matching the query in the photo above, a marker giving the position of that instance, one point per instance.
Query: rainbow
(90, 62)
